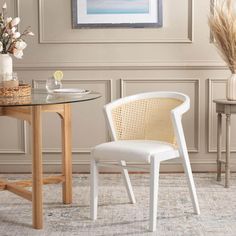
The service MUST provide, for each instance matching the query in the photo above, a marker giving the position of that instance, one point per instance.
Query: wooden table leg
(66, 155)
(227, 164)
(219, 143)
(37, 178)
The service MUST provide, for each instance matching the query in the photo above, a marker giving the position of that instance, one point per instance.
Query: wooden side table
(224, 107)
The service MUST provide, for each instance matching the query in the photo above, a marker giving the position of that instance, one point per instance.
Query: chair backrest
(145, 116)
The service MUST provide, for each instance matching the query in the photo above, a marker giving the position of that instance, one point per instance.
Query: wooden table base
(33, 116)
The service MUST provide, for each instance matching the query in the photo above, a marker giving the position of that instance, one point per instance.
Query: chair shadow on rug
(145, 128)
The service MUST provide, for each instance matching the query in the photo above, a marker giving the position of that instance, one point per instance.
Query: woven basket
(20, 91)
(15, 100)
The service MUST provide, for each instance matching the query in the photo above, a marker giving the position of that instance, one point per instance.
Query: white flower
(31, 33)
(18, 53)
(20, 45)
(15, 21)
(13, 30)
(16, 35)
(1, 47)
(12, 41)
(8, 20)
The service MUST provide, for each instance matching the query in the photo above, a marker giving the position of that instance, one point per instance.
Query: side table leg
(227, 165)
(37, 178)
(219, 143)
(66, 155)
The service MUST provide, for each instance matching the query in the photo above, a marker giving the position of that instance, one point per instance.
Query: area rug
(117, 217)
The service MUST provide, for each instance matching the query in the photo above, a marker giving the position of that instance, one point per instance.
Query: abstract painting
(116, 13)
(117, 6)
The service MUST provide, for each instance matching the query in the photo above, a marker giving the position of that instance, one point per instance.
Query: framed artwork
(116, 13)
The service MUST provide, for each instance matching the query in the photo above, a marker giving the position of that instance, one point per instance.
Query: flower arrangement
(11, 41)
(222, 23)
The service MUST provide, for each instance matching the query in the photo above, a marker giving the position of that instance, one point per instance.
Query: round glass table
(42, 97)
(30, 108)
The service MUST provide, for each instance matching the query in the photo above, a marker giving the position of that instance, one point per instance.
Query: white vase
(5, 66)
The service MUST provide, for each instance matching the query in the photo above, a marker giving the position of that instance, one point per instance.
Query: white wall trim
(69, 66)
(87, 162)
(83, 166)
(17, 9)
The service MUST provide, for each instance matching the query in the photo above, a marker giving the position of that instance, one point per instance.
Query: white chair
(145, 128)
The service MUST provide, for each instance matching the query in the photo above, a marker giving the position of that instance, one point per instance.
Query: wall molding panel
(23, 141)
(193, 82)
(73, 37)
(212, 115)
(108, 95)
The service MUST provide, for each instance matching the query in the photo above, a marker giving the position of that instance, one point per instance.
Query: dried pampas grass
(222, 23)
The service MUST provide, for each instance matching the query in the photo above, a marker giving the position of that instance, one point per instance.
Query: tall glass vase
(5, 66)
(231, 88)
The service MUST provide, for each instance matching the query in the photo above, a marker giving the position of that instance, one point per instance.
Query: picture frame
(117, 14)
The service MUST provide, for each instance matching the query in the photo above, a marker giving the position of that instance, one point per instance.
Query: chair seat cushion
(134, 150)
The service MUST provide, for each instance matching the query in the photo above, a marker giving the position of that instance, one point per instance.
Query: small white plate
(71, 90)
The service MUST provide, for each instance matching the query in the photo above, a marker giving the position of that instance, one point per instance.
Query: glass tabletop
(42, 97)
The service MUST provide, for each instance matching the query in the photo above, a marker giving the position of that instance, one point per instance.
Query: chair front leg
(93, 189)
(127, 181)
(154, 182)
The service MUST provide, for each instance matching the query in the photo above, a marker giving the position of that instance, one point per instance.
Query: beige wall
(117, 62)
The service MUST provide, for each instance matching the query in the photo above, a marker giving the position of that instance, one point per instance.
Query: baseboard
(84, 168)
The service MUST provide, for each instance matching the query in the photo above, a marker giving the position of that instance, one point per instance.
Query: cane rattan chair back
(145, 119)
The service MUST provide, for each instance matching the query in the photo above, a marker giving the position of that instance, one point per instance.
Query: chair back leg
(154, 182)
(93, 189)
(127, 182)
(191, 185)
(183, 151)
